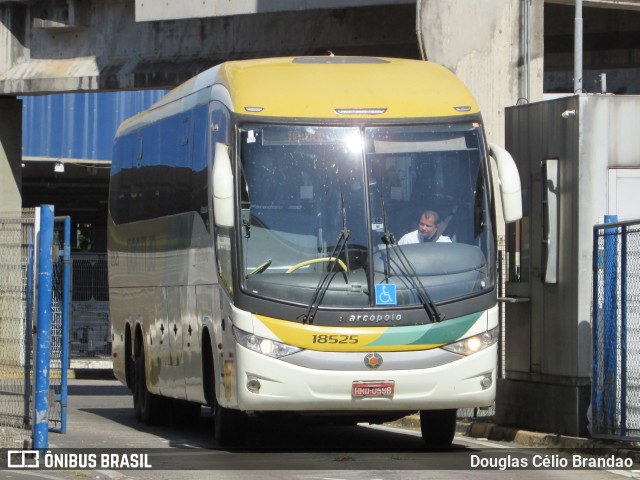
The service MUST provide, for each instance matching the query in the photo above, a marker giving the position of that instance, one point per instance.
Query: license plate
(373, 389)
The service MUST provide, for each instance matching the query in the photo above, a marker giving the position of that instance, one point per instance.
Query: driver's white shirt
(414, 237)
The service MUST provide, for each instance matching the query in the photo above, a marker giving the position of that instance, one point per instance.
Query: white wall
(175, 9)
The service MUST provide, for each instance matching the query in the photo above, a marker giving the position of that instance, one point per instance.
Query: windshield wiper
(406, 268)
(388, 239)
(325, 281)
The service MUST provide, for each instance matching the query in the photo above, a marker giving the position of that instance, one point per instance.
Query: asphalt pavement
(101, 421)
(480, 428)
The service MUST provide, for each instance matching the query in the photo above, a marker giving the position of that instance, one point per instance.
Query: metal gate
(90, 330)
(19, 316)
(615, 396)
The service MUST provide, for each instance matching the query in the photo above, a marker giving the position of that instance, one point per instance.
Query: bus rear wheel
(438, 427)
(148, 407)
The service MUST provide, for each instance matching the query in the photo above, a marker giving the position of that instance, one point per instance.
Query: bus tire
(438, 427)
(147, 406)
(130, 362)
(229, 426)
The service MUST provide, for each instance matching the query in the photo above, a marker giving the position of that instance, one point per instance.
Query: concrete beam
(102, 47)
(177, 9)
(619, 4)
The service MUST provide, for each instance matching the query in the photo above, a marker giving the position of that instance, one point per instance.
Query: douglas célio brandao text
(548, 461)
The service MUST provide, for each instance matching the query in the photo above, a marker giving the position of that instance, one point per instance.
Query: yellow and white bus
(255, 261)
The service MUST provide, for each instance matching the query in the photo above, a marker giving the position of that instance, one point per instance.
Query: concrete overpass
(89, 45)
(506, 51)
(503, 49)
(52, 46)
(72, 45)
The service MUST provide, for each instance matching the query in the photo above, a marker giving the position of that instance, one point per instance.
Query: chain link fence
(18, 317)
(16, 320)
(615, 398)
(58, 369)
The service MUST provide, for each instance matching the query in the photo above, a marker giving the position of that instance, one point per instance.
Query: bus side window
(199, 174)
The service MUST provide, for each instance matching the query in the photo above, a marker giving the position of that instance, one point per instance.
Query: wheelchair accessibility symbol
(386, 294)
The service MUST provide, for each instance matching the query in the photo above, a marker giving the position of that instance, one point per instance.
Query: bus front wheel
(229, 426)
(148, 407)
(438, 427)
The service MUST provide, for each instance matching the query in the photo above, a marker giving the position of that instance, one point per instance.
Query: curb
(91, 374)
(91, 369)
(529, 439)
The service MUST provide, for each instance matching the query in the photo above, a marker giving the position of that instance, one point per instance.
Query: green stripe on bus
(441, 333)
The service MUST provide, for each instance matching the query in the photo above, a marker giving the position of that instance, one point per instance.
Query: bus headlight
(265, 346)
(474, 344)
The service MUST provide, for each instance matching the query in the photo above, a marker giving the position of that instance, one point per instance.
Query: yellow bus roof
(339, 87)
(321, 87)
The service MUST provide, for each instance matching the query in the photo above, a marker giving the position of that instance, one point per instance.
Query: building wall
(79, 126)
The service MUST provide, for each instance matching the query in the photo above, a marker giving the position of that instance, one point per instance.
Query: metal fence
(615, 398)
(18, 320)
(59, 327)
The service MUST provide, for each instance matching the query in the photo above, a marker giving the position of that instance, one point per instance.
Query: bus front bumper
(268, 384)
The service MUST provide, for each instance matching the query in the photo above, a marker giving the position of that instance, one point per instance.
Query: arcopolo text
(372, 318)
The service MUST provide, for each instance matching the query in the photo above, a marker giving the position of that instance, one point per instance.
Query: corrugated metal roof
(79, 125)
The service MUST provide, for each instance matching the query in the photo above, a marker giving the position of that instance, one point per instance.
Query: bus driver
(427, 230)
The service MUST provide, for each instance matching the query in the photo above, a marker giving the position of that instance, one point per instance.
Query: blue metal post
(610, 339)
(43, 336)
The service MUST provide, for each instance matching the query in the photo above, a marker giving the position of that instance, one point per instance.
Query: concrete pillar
(14, 22)
(10, 155)
(12, 324)
(486, 46)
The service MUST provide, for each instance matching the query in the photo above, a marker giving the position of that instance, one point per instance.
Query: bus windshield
(351, 211)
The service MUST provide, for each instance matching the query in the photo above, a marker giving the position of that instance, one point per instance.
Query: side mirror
(510, 190)
(223, 211)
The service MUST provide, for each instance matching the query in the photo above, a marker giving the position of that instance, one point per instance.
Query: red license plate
(373, 389)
